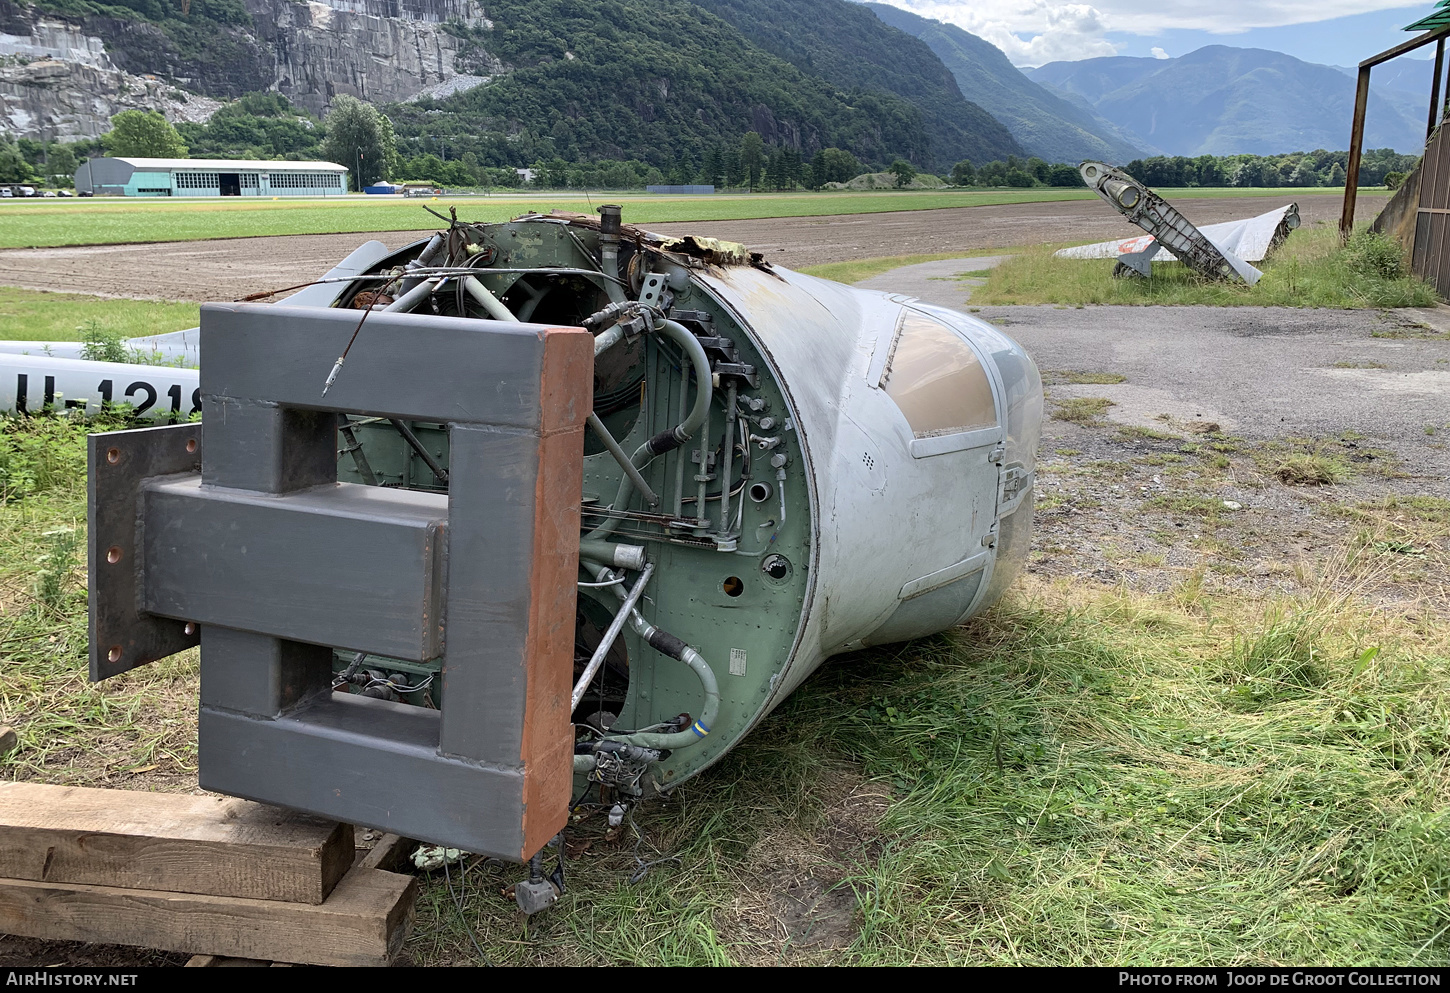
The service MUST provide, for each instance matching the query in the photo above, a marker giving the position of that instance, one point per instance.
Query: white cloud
(1032, 32)
(1158, 53)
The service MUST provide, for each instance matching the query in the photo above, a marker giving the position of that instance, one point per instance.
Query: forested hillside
(661, 81)
(845, 44)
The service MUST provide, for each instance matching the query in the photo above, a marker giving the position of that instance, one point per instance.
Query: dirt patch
(231, 268)
(801, 908)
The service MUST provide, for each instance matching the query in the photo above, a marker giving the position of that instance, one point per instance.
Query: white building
(134, 177)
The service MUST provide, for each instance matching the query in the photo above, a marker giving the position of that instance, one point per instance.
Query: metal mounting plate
(121, 636)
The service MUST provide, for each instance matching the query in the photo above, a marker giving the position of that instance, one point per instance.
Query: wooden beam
(1406, 46)
(1356, 140)
(164, 841)
(362, 923)
(388, 853)
(1435, 89)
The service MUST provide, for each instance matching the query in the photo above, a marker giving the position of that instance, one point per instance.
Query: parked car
(48, 193)
(6, 192)
(64, 193)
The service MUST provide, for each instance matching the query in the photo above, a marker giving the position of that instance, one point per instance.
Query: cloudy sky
(1031, 32)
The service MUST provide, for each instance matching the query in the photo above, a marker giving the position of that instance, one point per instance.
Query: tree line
(357, 135)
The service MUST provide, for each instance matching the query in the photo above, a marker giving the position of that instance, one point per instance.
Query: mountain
(846, 45)
(1225, 101)
(1404, 82)
(512, 82)
(656, 80)
(1043, 122)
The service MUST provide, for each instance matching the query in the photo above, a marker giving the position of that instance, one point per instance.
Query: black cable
(458, 906)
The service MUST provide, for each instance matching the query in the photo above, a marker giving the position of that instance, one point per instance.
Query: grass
(856, 271)
(48, 223)
(27, 315)
(1311, 269)
(1087, 411)
(1086, 775)
(1308, 469)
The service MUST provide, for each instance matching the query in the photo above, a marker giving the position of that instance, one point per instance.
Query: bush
(1376, 256)
(1394, 180)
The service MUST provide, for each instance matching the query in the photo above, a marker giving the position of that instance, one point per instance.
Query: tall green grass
(1311, 269)
(1084, 775)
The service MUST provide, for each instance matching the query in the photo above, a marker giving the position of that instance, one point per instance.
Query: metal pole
(622, 457)
(1435, 89)
(1356, 139)
(611, 633)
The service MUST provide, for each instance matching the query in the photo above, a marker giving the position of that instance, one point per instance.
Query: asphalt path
(1260, 372)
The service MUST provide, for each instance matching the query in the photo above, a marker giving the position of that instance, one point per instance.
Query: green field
(51, 223)
(33, 315)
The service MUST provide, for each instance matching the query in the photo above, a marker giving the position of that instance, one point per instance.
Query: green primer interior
(723, 602)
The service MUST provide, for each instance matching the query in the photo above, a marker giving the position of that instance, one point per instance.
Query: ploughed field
(228, 268)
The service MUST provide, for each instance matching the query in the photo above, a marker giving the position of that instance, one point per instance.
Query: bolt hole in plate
(190, 446)
(777, 568)
(113, 455)
(114, 654)
(190, 628)
(113, 554)
(732, 586)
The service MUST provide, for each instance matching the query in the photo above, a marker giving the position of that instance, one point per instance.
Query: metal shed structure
(137, 177)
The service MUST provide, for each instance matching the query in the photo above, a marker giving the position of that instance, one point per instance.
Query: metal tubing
(702, 478)
(703, 392)
(622, 457)
(607, 339)
(425, 259)
(727, 458)
(680, 432)
(413, 297)
(611, 633)
(355, 449)
(487, 300)
(709, 712)
(609, 218)
(1356, 141)
(417, 446)
(611, 553)
(681, 456)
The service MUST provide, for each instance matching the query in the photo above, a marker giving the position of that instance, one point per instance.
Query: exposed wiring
(458, 906)
(642, 868)
(591, 586)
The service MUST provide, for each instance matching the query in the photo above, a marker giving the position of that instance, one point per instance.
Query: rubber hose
(711, 687)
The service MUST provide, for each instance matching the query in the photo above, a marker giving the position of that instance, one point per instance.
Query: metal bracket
(122, 636)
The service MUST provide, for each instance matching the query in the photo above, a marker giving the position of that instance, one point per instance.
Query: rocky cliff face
(63, 78)
(57, 83)
(377, 50)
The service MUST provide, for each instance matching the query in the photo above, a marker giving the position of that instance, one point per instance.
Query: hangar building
(134, 177)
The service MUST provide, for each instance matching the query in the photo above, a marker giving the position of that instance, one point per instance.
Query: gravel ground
(226, 269)
(1211, 401)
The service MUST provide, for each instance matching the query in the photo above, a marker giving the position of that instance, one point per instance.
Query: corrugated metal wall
(1431, 256)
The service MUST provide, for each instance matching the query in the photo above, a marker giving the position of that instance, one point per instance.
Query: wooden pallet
(212, 876)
